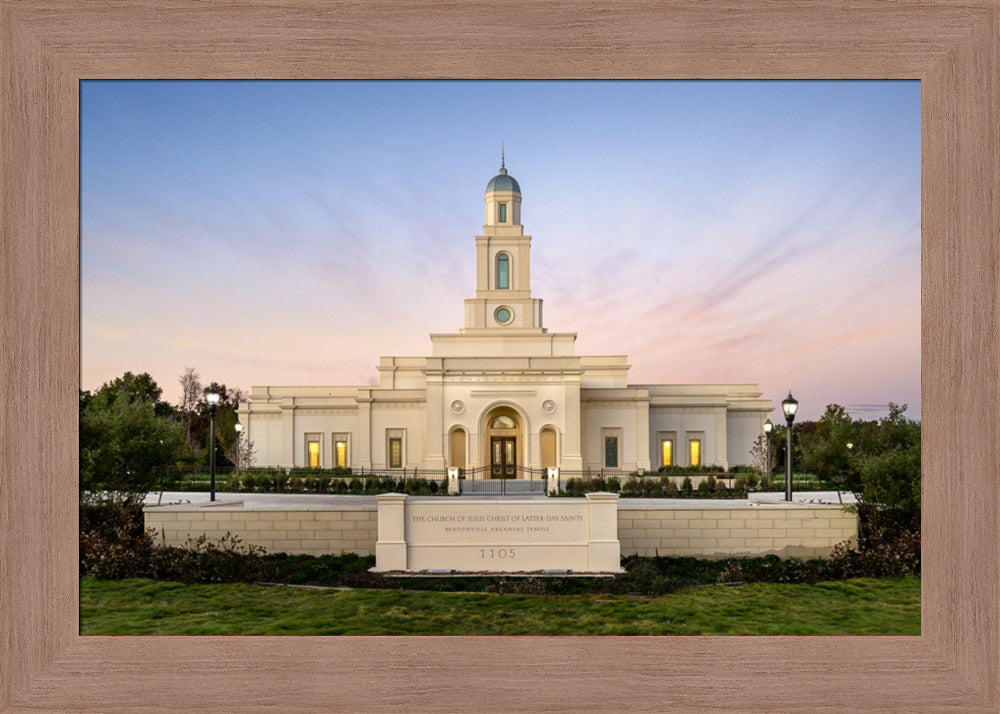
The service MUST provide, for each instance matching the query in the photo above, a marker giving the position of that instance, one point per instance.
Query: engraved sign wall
(498, 535)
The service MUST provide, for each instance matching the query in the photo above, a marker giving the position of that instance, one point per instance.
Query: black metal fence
(479, 482)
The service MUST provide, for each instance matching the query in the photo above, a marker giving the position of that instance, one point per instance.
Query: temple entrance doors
(503, 457)
(503, 442)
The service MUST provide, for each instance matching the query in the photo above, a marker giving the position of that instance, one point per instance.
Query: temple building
(503, 394)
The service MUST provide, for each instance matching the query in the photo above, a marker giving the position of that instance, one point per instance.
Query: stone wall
(644, 528)
(308, 531)
(789, 531)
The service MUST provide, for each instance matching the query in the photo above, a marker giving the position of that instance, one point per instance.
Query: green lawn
(146, 607)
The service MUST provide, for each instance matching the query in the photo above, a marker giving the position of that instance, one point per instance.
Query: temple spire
(502, 164)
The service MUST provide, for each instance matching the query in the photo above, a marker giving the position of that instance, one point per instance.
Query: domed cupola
(503, 199)
(503, 181)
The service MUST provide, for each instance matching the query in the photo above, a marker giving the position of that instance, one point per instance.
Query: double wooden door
(503, 461)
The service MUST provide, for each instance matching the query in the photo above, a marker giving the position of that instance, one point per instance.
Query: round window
(503, 315)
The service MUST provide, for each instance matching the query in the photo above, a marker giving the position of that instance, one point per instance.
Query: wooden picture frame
(47, 47)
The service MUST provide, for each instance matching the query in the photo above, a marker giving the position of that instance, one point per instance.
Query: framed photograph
(48, 50)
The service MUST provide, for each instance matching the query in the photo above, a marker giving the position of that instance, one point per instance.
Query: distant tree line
(877, 460)
(131, 441)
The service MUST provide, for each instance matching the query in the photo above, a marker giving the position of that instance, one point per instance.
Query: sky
(292, 232)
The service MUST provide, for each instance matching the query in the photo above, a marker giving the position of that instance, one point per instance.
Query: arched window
(503, 272)
(548, 447)
(502, 422)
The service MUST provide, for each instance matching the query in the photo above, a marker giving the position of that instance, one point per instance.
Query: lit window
(503, 272)
(314, 454)
(611, 452)
(666, 452)
(503, 212)
(503, 422)
(395, 452)
(694, 452)
(340, 447)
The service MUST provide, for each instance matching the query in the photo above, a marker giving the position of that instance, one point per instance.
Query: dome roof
(503, 182)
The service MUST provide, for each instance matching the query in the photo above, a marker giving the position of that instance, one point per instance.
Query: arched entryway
(503, 442)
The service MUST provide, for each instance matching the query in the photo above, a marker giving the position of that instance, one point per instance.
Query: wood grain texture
(47, 47)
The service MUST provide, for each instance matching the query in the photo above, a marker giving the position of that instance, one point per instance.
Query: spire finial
(502, 164)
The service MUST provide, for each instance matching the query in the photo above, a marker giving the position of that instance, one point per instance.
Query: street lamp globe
(212, 397)
(768, 426)
(789, 405)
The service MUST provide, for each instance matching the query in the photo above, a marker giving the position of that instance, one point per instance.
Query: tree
(190, 396)
(135, 387)
(243, 455)
(764, 459)
(878, 460)
(128, 439)
(225, 423)
(889, 468)
(827, 449)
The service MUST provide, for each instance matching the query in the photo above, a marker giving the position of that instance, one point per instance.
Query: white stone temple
(504, 394)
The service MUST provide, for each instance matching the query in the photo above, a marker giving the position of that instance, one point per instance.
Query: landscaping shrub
(113, 542)
(201, 560)
(115, 545)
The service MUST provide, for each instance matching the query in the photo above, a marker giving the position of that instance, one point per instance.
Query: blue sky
(293, 232)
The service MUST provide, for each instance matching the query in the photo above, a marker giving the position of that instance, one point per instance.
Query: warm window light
(694, 455)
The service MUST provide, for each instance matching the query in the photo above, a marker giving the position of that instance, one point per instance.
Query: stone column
(361, 444)
(288, 432)
(390, 548)
(435, 432)
(603, 548)
(571, 458)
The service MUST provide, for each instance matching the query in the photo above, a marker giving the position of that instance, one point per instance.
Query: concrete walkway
(326, 500)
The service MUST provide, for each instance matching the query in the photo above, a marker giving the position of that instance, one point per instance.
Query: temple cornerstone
(577, 535)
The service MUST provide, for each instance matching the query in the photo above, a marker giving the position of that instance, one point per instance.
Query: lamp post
(212, 400)
(768, 426)
(239, 433)
(789, 405)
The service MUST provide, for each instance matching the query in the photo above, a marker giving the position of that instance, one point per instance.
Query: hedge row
(114, 545)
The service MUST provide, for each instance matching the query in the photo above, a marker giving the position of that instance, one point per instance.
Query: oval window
(503, 315)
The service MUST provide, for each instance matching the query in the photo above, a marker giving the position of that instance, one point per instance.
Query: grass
(851, 607)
